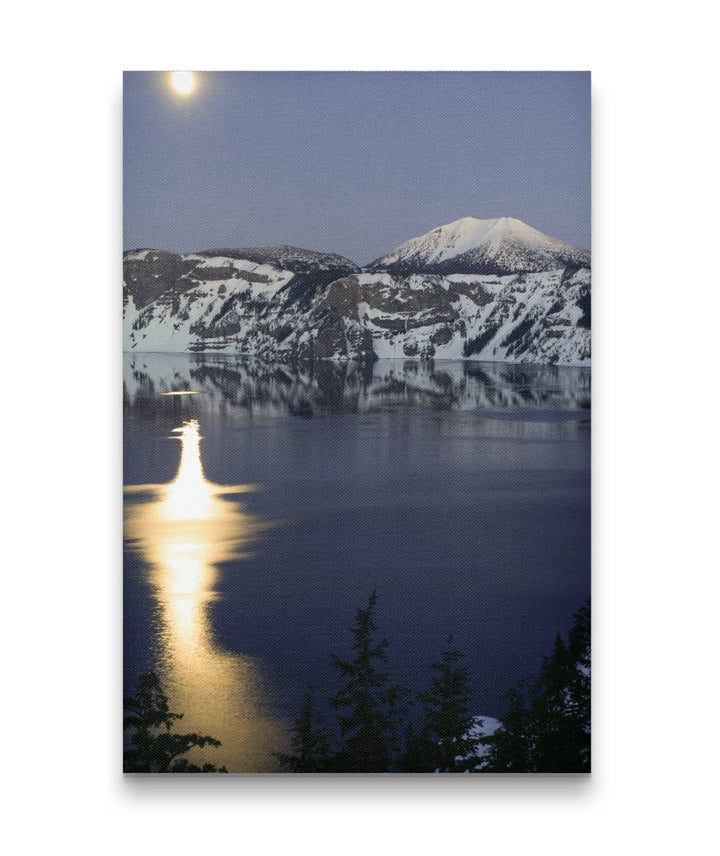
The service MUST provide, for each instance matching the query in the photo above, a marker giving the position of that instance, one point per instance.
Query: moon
(182, 81)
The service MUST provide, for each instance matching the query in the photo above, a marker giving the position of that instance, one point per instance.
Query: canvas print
(356, 334)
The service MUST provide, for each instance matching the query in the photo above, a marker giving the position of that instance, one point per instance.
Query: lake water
(265, 503)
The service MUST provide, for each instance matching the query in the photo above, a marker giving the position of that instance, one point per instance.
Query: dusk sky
(351, 163)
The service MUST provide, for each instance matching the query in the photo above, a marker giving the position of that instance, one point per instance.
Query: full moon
(183, 81)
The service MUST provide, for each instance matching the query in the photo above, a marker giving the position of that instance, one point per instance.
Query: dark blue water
(460, 492)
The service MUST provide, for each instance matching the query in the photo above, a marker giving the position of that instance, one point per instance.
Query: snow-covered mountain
(286, 304)
(501, 246)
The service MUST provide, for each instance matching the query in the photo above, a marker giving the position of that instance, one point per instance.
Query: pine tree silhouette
(561, 705)
(551, 734)
(369, 706)
(510, 746)
(579, 684)
(419, 754)
(310, 740)
(546, 727)
(151, 747)
(444, 744)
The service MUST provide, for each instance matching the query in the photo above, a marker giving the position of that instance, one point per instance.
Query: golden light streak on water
(185, 531)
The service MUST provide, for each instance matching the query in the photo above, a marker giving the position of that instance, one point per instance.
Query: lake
(264, 503)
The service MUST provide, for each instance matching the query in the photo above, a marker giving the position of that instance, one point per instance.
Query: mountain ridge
(296, 259)
(284, 303)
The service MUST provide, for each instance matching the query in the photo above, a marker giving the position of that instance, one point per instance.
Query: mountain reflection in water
(245, 386)
(184, 531)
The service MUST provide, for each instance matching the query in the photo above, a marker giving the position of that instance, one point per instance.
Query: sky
(354, 163)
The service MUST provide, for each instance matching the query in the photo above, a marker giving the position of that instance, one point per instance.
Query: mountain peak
(469, 245)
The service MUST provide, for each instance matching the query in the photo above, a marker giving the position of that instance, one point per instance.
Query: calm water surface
(264, 503)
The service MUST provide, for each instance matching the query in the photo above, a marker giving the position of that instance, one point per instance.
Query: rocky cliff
(287, 304)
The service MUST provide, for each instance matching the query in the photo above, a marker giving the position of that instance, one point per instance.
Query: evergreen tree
(151, 747)
(551, 734)
(310, 742)
(419, 754)
(368, 705)
(547, 712)
(510, 746)
(560, 709)
(579, 685)
(447, 721)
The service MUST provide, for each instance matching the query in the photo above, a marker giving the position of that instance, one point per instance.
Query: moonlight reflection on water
(185, 531)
